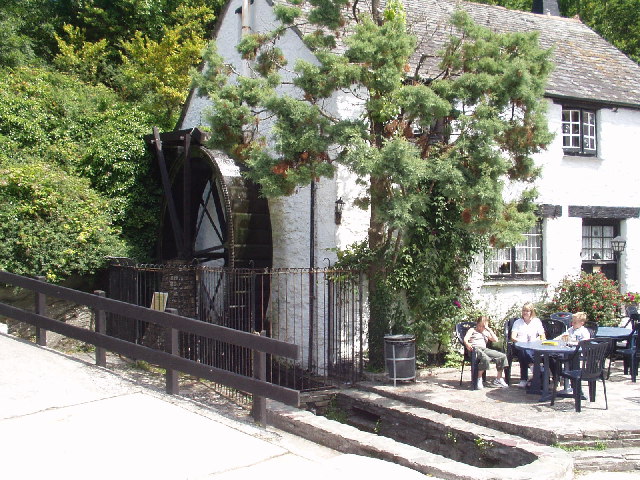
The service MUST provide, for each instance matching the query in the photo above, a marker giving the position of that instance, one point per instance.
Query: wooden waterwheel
(212, 215)
(215, 217)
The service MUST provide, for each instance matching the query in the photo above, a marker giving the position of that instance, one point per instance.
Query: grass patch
(575, 448)
(146, 367)
(86, 348)
(336, 413)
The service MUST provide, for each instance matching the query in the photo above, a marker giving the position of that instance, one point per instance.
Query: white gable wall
(290, 216)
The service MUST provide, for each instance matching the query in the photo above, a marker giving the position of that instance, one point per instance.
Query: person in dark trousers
(528, 328)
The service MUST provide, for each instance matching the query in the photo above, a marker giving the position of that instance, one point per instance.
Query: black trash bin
(400, 357)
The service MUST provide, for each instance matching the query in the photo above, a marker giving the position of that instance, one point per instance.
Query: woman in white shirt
(528, 328)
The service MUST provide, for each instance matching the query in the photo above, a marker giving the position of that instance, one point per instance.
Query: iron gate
(321, 310)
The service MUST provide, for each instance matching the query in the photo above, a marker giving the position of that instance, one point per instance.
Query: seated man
(476, 339)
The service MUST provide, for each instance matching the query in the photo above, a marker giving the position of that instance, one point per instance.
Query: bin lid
(399, 338)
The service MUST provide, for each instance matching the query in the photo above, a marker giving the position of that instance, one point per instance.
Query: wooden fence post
(171, 346)
(259, 406)
(101, 353)
(41, 309)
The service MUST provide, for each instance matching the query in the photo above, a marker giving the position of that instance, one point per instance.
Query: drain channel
(413, 426)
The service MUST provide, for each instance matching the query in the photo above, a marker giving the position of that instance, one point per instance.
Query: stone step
(612, 455)
(628, 436)
(610, 460)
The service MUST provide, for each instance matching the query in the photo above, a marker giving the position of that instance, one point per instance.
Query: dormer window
(579, 131)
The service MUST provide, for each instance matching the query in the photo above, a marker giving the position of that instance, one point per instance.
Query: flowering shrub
(592, 293)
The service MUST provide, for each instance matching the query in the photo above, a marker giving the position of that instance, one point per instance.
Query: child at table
(576, 332)
(528, 328)
(476, 339)
(577, 328)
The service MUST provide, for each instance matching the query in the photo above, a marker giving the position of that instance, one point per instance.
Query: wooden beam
(168, 193)
(183, 324)
(157, 357)
(187, 239)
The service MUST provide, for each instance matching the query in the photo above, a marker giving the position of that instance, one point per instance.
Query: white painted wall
(610, 180)
(290, 216)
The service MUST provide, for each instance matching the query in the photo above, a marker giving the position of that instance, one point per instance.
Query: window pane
(529, 252)
(523, 259)
(500, 262)
(571, 128)
(596, 242)
(589, 130)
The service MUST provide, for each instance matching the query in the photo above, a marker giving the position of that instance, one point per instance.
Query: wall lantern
(338, 211)
(618, 244)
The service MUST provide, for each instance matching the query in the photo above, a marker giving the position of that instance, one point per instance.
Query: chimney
(546, 7)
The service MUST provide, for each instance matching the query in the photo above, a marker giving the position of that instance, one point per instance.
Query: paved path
(61, 418)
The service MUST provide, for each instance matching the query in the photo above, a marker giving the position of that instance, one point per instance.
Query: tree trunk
(376, 13)
(378, 315)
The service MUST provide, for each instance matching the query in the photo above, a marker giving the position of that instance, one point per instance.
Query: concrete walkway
(61, 418)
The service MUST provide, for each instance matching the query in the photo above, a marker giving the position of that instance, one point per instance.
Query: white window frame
(596, 242)
(520, 262)
(579, 131)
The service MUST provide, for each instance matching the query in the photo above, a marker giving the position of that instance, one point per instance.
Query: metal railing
(253, 381)
(320, 310)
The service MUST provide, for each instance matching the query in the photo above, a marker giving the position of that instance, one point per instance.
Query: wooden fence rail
(169, 359)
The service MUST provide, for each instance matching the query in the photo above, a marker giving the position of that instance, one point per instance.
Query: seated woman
(526, 329)
(476, 339)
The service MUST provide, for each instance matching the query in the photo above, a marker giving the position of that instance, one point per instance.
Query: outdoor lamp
(618, 244)
(338, 211)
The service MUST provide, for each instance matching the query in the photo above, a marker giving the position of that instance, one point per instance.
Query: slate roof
(587, 67)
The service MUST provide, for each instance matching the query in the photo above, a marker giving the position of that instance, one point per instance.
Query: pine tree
(461, 136)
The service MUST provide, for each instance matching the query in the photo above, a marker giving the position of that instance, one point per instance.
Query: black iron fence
(320, 310)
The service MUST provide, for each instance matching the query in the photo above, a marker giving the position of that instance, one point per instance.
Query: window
(596, 242)
(579, 131)
(597, 254)
(522, 261)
